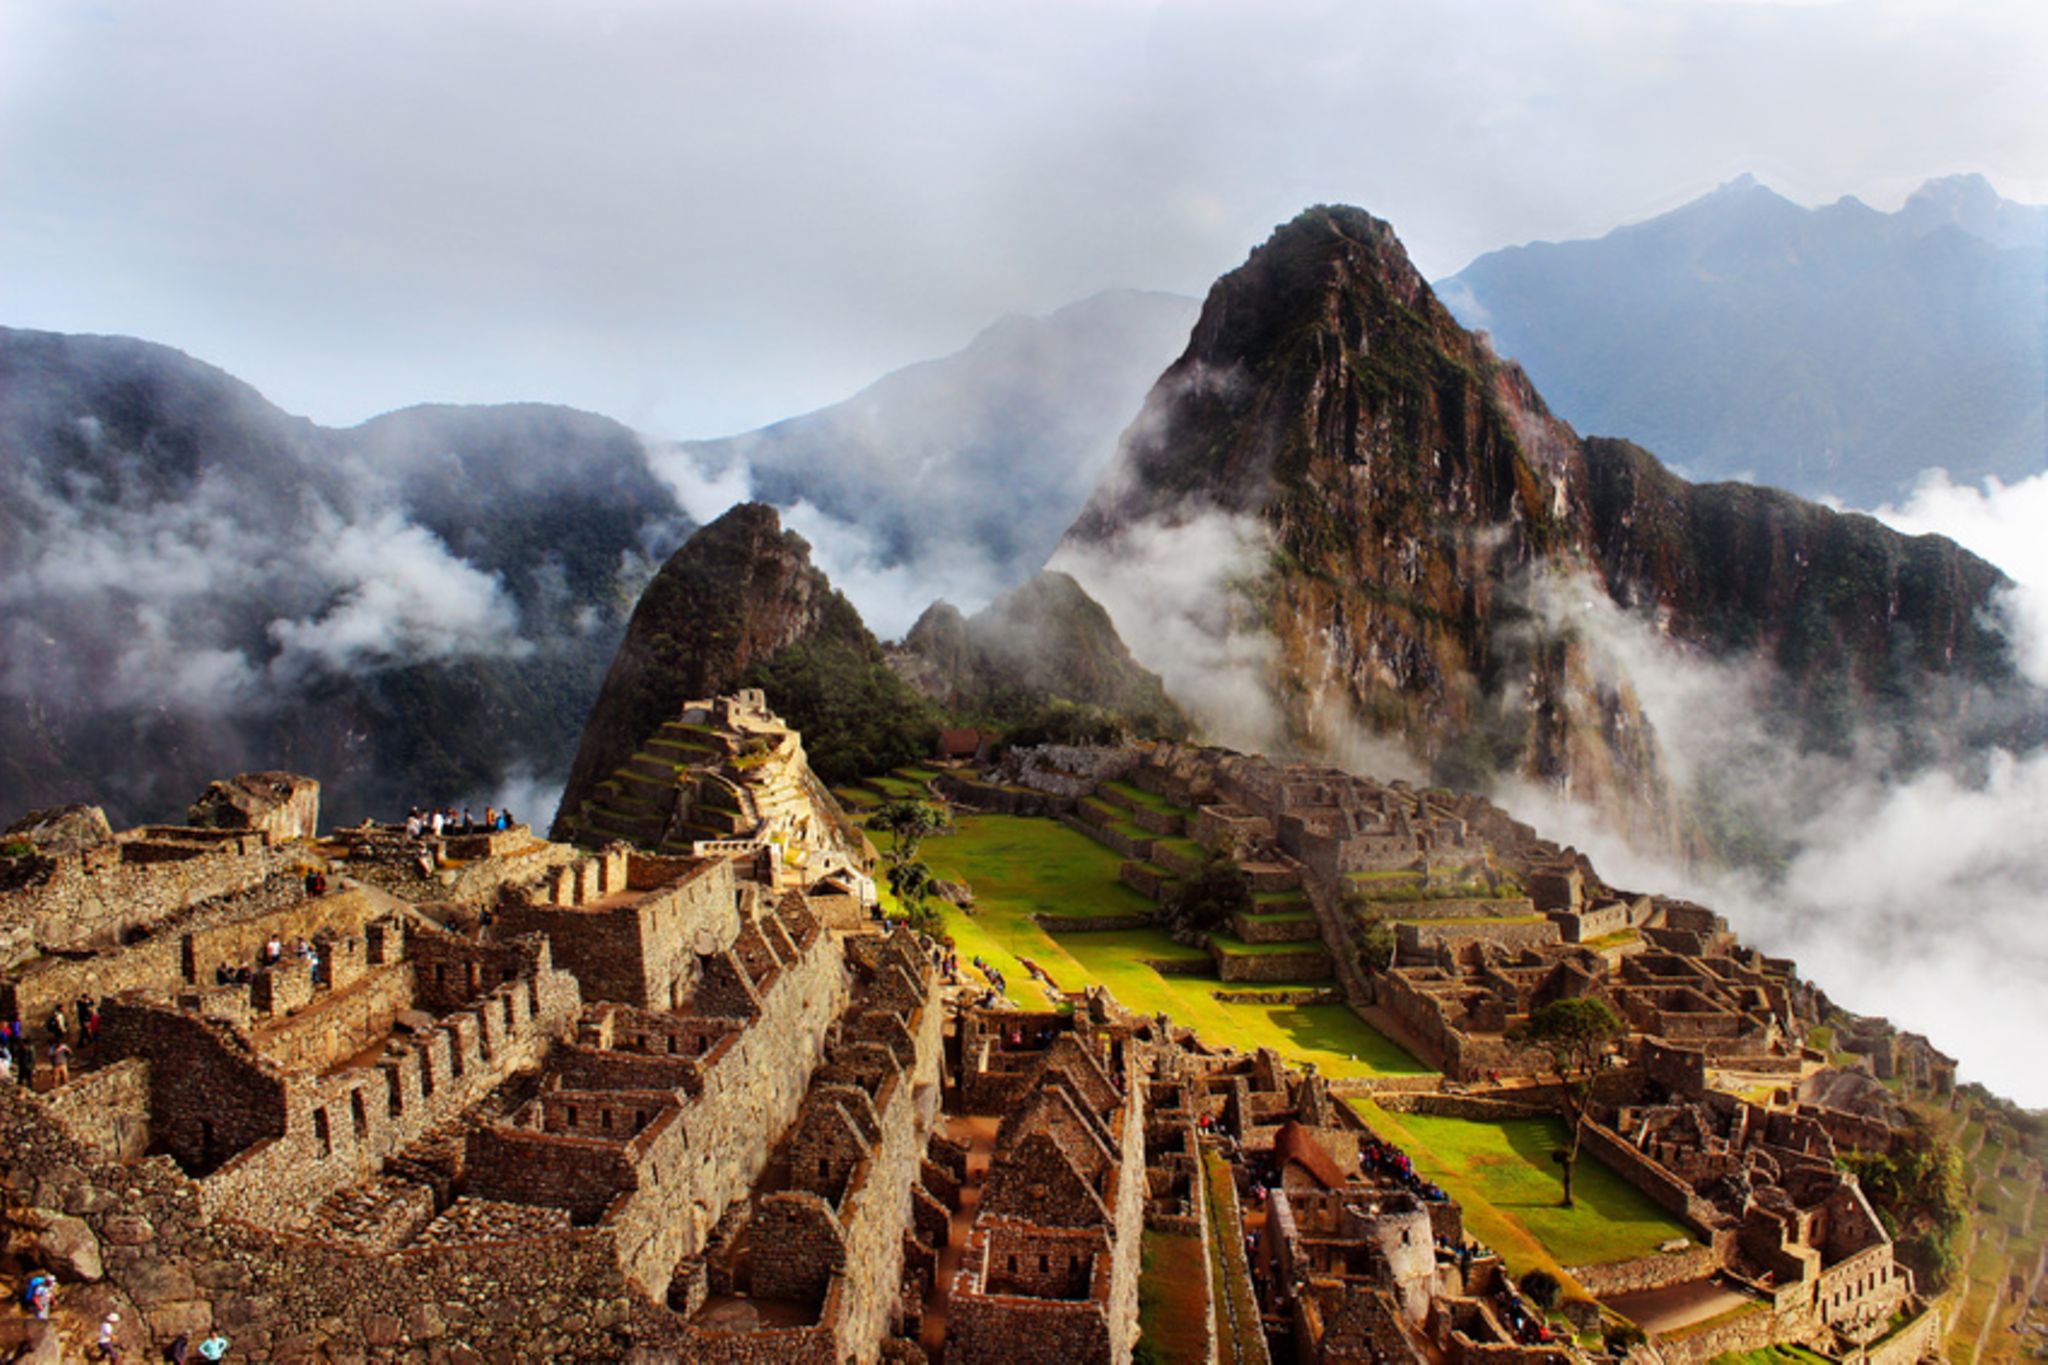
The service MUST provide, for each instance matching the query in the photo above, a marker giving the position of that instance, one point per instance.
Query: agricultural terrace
(1023, 867)
(1503, 1174)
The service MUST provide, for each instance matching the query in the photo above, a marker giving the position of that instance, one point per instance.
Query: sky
(699, 219)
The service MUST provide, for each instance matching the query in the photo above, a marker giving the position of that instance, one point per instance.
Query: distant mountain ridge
(967, 468)
(1836, 351)
(194, 582)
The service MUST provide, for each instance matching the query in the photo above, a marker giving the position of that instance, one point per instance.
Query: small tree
(910, 880)
(1576, 1034)
(1207, 902)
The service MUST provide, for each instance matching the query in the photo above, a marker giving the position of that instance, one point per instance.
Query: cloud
(1916, 896)
(704, 218)
(1175, 589)
(397, 595)
(2003, 523)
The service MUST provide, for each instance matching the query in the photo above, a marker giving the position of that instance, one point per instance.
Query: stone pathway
(978, 1131)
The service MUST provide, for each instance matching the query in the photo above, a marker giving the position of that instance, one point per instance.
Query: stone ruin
(551, 1103)
(498, 1097)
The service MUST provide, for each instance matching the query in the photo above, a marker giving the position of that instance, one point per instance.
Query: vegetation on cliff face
(856, 715)
(1043, 660)
(1415, 493)
(194, 582)
(740, 605)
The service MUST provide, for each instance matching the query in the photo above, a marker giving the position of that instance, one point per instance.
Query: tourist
(214, 1347)
(109, 1348)
(60, 1063)
(273, 951)
(412, 825)
(37, 1293)
(85, 1007)
(179, 1350)
(437, 824)
(468, 824)
(505, 820)
(57, 1025)
(92, 1028)
(490, 818)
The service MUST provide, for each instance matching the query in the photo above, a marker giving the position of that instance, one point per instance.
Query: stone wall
(1311, 964)
(107, 1111)
(752, 1085)
(341, 1023)
(1067, 770)
(1659, 1271)
(638, 951)
(1663, 1188)
(171, 1267)
(106, 895)
(1422, 940)
(270, 1146)
(1004, 800)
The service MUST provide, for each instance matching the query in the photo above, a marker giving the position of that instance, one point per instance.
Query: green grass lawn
(1770, 1355)
(1503, 1175)
(1237, 947)
(897, 788)
(1173, 1302)
(1020, 866)
(1140, 797)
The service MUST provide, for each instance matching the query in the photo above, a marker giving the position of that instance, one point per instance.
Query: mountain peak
(1970, 203)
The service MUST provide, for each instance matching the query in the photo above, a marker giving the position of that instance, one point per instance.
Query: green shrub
(1541, 1288)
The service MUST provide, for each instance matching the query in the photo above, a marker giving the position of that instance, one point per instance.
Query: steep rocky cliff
(1413, 509)
(1044, 641)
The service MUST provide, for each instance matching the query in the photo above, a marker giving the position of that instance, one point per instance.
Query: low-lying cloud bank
(1919, 897)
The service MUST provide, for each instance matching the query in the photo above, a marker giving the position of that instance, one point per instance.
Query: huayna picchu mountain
(1407, 494)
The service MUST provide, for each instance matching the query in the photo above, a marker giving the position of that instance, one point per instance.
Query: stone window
(320, 1133)
(397, 1096)
(426, 1072)
(572, 1116)
(358, 1115)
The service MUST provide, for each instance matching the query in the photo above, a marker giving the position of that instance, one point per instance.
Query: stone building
(1049, 1272)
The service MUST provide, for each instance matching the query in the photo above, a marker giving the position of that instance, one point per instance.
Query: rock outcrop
(1044, 641)
(1411, 493)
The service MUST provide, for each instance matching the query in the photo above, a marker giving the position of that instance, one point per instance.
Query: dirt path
(978, 1131)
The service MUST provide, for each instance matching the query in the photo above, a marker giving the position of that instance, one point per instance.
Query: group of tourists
(1382, 1159)
(39, 1295)
(993, 973)
(18, 1048)
(421, 824)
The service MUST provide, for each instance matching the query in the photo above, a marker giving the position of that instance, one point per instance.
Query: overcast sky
(701, 218)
